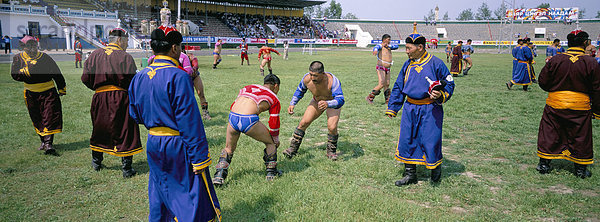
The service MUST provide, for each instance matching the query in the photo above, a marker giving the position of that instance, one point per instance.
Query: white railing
(23, 9)
(86, 14)
(28, 9)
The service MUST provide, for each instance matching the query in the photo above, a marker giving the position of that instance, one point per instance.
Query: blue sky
(408, 10)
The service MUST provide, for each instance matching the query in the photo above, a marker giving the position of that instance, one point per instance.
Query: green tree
(430, 16)
(349, 15)
(334, 10)
(309, 11)
(483, 12)
(598, 14)
(544, 5)
(446, 17)
(500, 13)
(466, 14)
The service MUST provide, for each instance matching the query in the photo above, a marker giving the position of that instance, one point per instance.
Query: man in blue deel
(162, 98)
(425, 83)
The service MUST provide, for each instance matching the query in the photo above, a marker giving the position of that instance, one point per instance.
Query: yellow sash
(40, 87)
(163, 131)
(420, 101)
(568, 100)
(109, 88)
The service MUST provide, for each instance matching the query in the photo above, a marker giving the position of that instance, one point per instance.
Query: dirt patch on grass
(494, 190)
(589, 193)
(472, 176)
(502, 119)
(424, 204)
(459, 210)
(560, 189)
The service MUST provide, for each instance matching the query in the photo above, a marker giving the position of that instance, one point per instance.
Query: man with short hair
(243, 118)
(78, 52)
(521, 66)
(456, 66)
(572, 81)
(7, 48)
(423, 85)
(383, 52)
(265, 54)
(327, 97)
(448, 51)
(244, 51)
(467, 50)
(552, 50)
(162, 98)
(40, 73)
(217, 53)
(108, 71)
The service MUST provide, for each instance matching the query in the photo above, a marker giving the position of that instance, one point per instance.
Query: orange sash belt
(109, 88)
(163, 131)
(420, 101)
(568, 100)
(39, 87)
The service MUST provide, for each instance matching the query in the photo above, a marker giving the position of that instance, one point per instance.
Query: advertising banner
(542, 13)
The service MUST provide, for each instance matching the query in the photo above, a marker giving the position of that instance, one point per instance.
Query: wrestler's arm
(189, 122)
(394, 46)
(298, 94)
(376, 49)
(274, 122)
(338, 96)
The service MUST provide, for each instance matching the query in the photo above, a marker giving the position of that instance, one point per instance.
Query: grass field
(489, 146)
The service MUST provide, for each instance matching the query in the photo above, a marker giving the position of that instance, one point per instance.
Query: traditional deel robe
(162, 98)
(109, 71)
(522, 72)
(572, 80)
(336, 92)
(420, 140)
(456, 66)
(39, 74)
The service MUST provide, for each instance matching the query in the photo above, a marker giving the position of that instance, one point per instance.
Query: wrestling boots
(128, 171)
(48, 147)
(436, 174)
(205, 114)
(372, 95)
(410, 175)
(262, 72)
(270, 71)
(525, 87)
(41, 143)
(222, 168)
(466, 71)
(332, 147)
(97, 158)
(271, 165)
(544, 166)
(387, 94)
(581, 171)
(294, 144)
(215, 66)
(509, 85)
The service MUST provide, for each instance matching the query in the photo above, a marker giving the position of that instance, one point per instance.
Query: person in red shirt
(78, 52)
(243, 118)
(265, 54)
(244, 51)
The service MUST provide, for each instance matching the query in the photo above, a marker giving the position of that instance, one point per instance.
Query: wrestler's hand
(291, 110)
(322, 105)
(375, 52)
(435, 94)
(198, 172)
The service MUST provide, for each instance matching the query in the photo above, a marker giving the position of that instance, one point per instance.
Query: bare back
(246, 106)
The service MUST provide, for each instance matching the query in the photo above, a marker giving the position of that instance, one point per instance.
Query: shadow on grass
(449, 168)
(217, 142)
(217, 119)
(256, 209)
(73, 146)
(562, 165)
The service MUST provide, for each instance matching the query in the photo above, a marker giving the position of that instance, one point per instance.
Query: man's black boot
(97, 158)
(544, 166)
(436, 174)
(581, 171)
(294, 144)
(410, 175)
(222, 168)
(271, 165)
(128, 171)
(332, 147)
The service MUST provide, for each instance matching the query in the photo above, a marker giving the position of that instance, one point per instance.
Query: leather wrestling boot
(332, 147)
(372, 95)
(222, 168)
(271, 165)
(410, 175)
(543, 166)
(41, 143)
(387, 93)
(48, 145)
(128, 171)
(436, 174)
(97, 158)
(509, 85)
(205, 114)
(581, 171)
(294, 144)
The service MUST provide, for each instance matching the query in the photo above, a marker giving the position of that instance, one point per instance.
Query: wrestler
(383, 52)
(467, 50)
(265, 54)
(217, 53)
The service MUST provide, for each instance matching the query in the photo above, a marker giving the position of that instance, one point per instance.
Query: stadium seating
(73, 5)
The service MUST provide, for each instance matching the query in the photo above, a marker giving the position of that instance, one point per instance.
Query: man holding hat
(572, 80)
(108, 71)
(424, 83)
(39, 73)
(162, 98)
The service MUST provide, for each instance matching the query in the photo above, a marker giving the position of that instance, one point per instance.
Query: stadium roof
(272, 3)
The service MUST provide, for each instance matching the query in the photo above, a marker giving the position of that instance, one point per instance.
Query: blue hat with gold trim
(415, 37)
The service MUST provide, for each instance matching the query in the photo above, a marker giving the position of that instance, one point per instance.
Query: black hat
(577, 38)
(172, 37)
(415, 38)
(118, 32)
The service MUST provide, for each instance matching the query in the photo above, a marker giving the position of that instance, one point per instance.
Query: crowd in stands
(255, 26)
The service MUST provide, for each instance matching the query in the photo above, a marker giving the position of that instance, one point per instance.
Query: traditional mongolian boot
(525, 87)
(128, 171)
(205, 114)
(436, 174)
(270, 71)
(222, 168)
(97, 158)
(332, 147)
(509, 85)
(48, 147)
(466, 71)
(294, 144)
(410, 175)
(41, 143)
(543, 166)
(215, 66)
(581, 171)
(262, 72)
(387, 93)
(271, 165)
(372, 95)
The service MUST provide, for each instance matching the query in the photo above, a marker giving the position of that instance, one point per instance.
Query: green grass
(489, 145)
